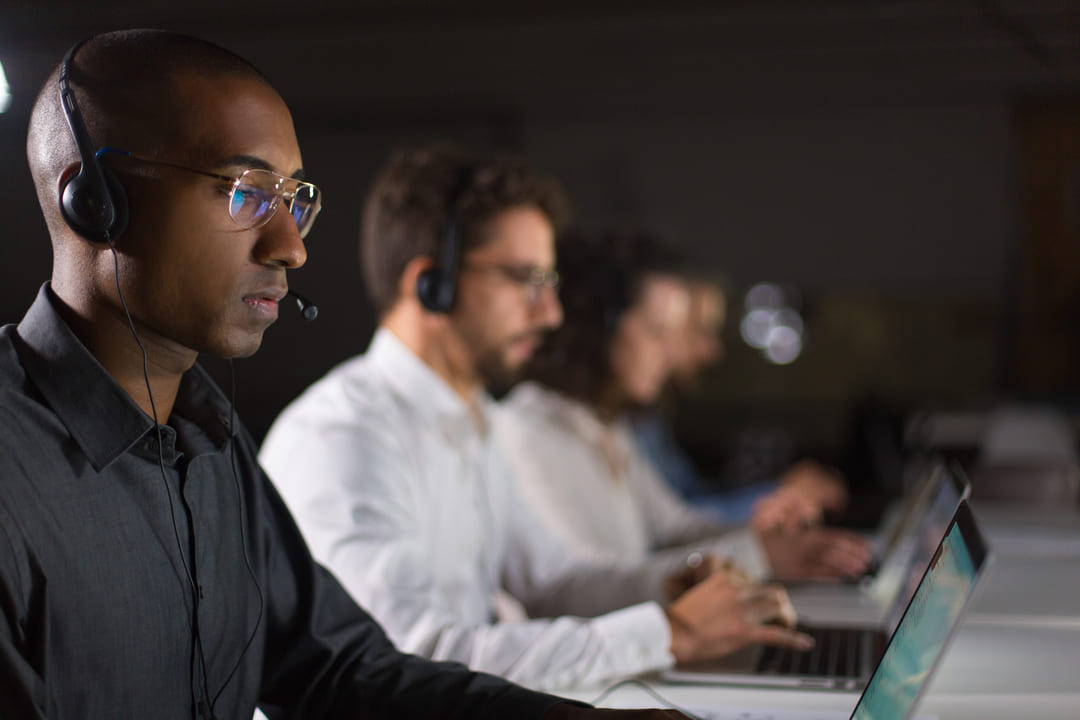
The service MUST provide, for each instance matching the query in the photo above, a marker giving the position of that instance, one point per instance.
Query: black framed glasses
(255, 194)
(531, 278)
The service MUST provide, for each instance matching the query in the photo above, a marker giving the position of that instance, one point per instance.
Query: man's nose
(280, 243)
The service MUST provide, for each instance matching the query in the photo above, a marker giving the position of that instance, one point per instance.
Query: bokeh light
(772, 323)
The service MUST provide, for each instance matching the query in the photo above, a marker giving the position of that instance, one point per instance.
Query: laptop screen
(920, 638)
(948, 488)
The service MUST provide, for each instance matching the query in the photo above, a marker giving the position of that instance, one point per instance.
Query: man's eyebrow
(250, 161)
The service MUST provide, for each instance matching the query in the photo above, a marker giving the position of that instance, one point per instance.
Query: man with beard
(389, 465)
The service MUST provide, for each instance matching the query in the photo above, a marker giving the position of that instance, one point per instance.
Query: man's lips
(528, 343)
(275, 293)
(266, 299)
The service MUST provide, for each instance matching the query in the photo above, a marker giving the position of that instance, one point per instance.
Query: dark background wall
(865, 151)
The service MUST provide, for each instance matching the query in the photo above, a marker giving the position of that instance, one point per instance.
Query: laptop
(912, 540)
(844, 656)
(929, 623)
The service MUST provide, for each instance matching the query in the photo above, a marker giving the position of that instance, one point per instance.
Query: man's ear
(70, 170)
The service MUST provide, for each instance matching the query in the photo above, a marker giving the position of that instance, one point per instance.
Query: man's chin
(235, 349)
(500, 380)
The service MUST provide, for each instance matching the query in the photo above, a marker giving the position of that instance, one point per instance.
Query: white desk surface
(1017, 654)
(990, 706)
(989, 673)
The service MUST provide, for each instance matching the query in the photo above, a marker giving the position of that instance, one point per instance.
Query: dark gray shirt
(99, 615)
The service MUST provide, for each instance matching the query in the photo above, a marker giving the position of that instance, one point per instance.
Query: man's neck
(154, 383)
(435, 352)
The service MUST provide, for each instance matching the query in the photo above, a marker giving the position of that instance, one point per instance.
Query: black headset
(92, 202)
(437, 286)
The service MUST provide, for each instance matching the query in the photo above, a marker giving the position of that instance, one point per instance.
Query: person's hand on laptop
(726, 612)
(806, 491)
(816, 553)
(698, 566)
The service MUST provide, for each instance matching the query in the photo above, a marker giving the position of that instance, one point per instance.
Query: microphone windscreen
(307, 309)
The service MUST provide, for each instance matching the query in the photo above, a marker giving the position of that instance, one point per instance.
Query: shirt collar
(101, 417)
(428, 393)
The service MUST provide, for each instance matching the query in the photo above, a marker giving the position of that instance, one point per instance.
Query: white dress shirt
(597, 491)
(399, 490)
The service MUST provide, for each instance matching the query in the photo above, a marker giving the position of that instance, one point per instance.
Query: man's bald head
(130, 88)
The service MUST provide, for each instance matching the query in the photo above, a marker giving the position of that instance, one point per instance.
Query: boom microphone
(307, 309)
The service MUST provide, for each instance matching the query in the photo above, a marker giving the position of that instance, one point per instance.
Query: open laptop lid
(894, 538)
(928, 624)
(945, 488)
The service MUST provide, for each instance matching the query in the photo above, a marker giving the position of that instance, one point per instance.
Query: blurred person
(799, 497)
(389, 466)
(147, 567)
(567, 435)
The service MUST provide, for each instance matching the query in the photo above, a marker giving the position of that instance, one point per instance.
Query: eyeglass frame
(234, 182)
(531, 278)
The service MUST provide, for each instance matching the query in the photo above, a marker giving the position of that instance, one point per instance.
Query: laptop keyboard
(837, 652)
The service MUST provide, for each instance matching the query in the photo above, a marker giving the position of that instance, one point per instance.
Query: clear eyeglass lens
(538, 279)
(257, 193)
(253, 199)
(544, 278)
(304, 206)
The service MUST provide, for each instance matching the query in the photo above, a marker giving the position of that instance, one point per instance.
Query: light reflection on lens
(5, 91)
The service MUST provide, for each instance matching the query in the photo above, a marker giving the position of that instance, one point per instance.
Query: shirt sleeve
(22, 685)
(325, 657)
(676, 528)
(351, 488)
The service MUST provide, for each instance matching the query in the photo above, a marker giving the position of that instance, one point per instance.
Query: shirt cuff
(639, 637)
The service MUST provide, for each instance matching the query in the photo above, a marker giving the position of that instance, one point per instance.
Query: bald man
(147, 567)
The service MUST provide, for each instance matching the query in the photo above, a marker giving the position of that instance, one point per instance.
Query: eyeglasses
(254, 195)
(530, 277)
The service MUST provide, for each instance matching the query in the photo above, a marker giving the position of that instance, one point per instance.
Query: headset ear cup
(84, 205)
(436, 287)
(427, 290)
(76, 207)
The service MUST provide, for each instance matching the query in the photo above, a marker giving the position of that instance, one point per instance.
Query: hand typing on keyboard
(816, 553)
(806, 491)
(725, 612)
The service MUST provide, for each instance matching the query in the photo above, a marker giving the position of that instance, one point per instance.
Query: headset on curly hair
(437, 286)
